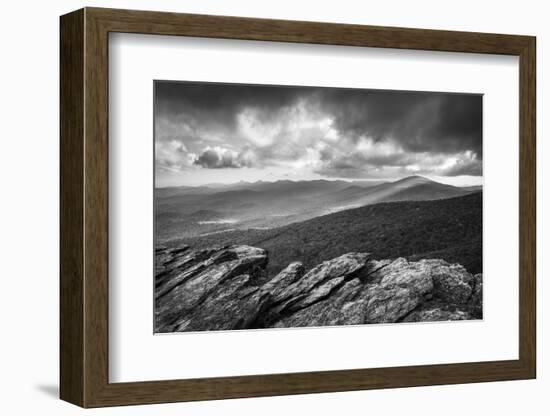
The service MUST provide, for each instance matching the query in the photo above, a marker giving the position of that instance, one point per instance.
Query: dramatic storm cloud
(227, 132)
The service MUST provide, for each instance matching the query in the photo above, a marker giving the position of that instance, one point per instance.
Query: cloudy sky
(211, 132)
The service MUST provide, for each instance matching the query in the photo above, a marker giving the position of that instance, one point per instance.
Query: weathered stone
(377, 270)
(437, 314)
(330, 311)
(476, 300)
(176, 268)
(317, 294)
(416, 275)
(289, 275)
(401, 289)
(219, 289)
(187, 289)
(386, 304)
(452, 283)
(230, 306)
(345, 265)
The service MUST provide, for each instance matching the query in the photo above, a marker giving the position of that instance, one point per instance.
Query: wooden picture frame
(84, 207)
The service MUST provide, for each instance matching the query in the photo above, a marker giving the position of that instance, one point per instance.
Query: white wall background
(29, 209)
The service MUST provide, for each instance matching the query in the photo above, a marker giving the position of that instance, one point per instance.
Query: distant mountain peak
(414, 178)
(413, 181)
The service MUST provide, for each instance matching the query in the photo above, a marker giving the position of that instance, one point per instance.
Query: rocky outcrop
(192, 281)
(225, 288)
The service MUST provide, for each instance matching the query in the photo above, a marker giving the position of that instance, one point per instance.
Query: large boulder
(452, 283)
(349, 265)
(234, 305)
(401, 289)
(193, 278)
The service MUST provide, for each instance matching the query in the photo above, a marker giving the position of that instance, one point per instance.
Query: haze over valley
(185, 211)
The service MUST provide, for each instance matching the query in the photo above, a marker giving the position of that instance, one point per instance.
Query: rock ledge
(225, 288)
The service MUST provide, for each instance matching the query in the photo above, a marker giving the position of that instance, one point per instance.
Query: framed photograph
(256, 207)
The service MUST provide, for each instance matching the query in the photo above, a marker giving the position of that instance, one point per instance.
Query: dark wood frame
(84, 209)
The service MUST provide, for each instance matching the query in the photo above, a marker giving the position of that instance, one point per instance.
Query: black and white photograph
(302, 206)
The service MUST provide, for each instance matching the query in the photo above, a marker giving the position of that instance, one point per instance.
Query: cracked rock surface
(223, 288)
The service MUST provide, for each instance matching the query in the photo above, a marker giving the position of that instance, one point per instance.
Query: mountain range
(200, 211)
(448, 229)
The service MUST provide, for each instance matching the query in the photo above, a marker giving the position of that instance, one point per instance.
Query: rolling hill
(450, 229)
(180, 211)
